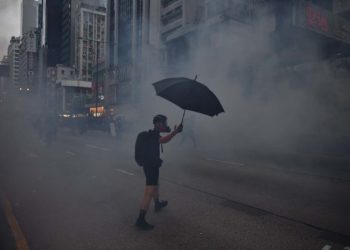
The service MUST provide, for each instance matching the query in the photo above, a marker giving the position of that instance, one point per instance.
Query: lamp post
(96, 86)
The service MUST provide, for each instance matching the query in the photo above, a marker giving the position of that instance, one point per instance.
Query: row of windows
(166, 3)
(172, 16)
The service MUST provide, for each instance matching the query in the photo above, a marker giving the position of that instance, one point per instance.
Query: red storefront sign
(316, 19)
(309, 16)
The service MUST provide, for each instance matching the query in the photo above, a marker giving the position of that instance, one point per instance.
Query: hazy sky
(10, 23)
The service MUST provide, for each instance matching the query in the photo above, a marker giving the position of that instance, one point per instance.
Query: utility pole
(97, 85)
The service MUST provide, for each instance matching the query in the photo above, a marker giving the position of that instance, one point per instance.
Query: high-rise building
(28, 58)
(13, 54)
(51, 31)
(90, 38)
(132, 35)
(67, 43)
(68, 28)
(4, 78)
(29, 15)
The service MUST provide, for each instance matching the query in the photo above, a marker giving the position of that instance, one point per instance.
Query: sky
(10, 23)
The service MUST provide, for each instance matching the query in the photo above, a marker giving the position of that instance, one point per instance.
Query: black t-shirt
(153, 150)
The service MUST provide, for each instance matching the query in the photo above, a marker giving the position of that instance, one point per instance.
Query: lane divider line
(21, 242)
(106, 149)
(32, 155)
(123, 171)
(97, 147)
(226, 162)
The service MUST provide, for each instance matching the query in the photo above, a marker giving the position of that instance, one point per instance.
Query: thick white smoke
(270, 105)
(10, 22)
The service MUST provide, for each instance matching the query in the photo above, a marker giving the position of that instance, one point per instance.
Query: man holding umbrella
(188, 94)
(147, 155)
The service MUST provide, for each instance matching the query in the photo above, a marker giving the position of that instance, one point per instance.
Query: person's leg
(147, 197)
(158, 205)
(156, 194)
(145, 202)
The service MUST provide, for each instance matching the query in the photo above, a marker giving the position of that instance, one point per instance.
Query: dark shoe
(158, 206)
(143, 225)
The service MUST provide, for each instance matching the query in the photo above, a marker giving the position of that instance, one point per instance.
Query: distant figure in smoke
(147, 155)
(50, 129)
(189, 132)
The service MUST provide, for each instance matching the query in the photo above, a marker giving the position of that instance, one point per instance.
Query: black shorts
(152, 175)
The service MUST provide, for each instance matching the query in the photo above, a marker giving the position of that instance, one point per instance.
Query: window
(166, 3)
(172, 16)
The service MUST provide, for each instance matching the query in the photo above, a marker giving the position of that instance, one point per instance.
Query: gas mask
(164, 128)
(162, 124)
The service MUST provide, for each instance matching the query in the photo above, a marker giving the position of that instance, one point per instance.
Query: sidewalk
(312, 164)
(7, 242)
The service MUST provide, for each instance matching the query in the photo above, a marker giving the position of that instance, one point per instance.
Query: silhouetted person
(50, 128)
(147, 155)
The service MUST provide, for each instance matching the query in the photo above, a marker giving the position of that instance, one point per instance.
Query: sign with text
(311, 17)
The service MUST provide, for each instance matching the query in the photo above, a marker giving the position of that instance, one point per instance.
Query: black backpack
(141, 148)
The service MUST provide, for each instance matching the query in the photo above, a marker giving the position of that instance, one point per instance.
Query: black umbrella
(189, 95)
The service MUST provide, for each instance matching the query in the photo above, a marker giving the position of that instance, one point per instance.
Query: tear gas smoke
(9, 19)
(270, 105)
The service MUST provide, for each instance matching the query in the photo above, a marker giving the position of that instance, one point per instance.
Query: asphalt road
(83, 193)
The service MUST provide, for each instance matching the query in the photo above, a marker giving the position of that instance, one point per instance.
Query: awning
(76, 83)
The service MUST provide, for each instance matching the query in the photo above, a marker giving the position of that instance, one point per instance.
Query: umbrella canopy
(189, 95)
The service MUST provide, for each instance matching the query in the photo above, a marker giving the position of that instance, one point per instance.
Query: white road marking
(123, 171)
(326, 247)
(70, 153)
(346, 248)
(227, 162)
(32, 155)
(97, 147)
(106, 149)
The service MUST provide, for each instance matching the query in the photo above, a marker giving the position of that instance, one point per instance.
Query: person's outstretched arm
(168, 137)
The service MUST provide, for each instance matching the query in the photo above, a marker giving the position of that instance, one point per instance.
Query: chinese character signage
(312, 17)
(316, 18)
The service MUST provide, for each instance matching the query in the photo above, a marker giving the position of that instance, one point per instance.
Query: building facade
(68, 27)
(29, 15)
(90, 37)
(133, 28)
(29, 59)
(4, 78)
(13, 53)
(51, 31)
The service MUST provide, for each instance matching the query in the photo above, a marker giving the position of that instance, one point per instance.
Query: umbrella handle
(182, 120)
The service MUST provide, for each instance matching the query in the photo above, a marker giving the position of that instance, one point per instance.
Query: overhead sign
(76, 83)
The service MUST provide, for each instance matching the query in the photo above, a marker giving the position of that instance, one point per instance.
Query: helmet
(159, 118)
